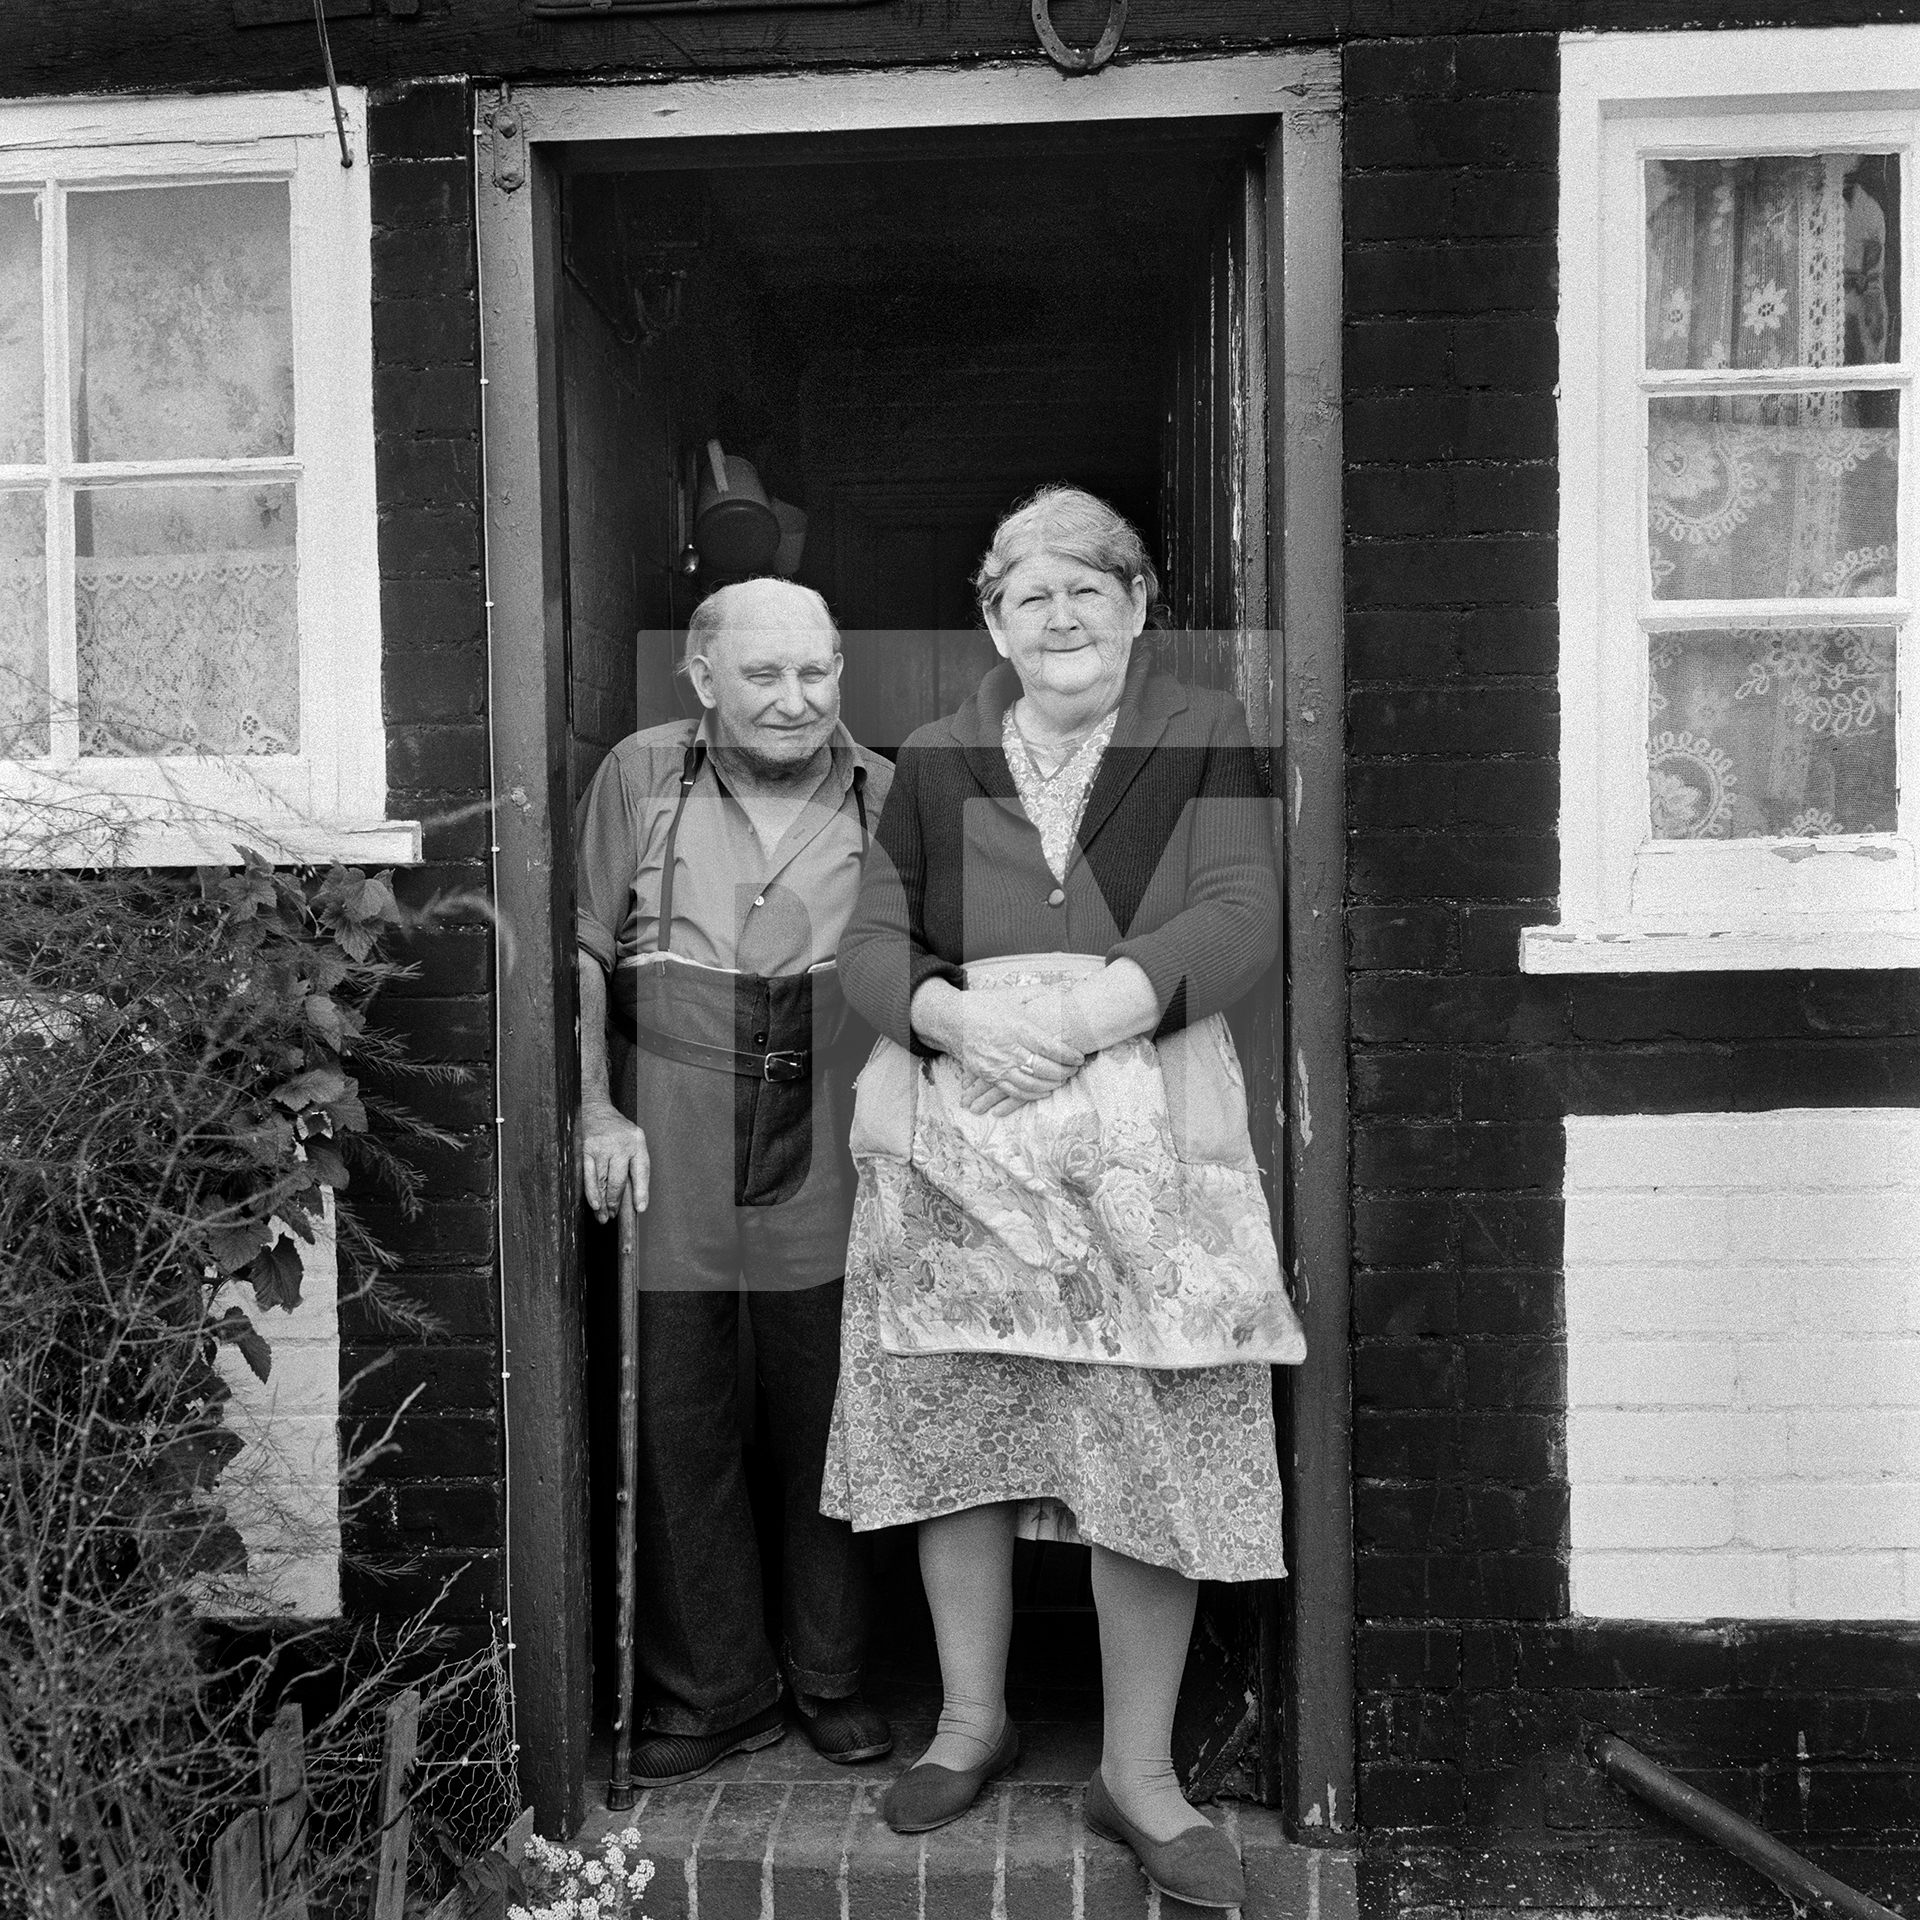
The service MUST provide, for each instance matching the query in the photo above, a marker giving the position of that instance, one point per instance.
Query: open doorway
(1244, 554)
(905, 335)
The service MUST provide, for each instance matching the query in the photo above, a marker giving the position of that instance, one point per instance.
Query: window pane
(1785, 261)
(1792, 496)
(1778, 731)
(184, 603)
(181, 323)
(23, 626)
(22, 352)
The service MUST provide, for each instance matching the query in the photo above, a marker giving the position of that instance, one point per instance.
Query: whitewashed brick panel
(1743, 1365)
(282, 1489)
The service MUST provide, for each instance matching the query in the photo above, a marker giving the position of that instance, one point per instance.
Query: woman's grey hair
(1073, 522)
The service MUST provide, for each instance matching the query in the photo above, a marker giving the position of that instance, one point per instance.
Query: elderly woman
(1077, 864)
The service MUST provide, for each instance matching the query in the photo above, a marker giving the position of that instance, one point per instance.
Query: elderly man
(718, 861)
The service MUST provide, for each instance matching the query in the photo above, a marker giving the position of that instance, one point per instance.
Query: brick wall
(1480, 1692)
(435, 1506)
(1743, 1365)
(282, 1490)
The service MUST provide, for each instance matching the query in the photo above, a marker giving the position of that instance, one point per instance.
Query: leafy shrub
(180, 1106)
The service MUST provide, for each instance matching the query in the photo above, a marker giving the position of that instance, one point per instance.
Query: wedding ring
(1027, 1059)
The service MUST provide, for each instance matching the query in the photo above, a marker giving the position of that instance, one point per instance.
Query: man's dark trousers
(701, 1647)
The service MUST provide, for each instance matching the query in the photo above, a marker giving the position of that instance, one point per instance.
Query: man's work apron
(743, 1086)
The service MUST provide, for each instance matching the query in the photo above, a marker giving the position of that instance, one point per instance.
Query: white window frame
(328, 800)
(1629, 904)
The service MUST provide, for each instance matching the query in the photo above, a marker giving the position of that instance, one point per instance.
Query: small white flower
(630, 1836)
(1765, 308)
(593, 1873)
(1677, 314)
(638, 1878)
(615, 1859)
(589, 1909)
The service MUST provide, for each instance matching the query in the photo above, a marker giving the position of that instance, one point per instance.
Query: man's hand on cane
(613, 1155)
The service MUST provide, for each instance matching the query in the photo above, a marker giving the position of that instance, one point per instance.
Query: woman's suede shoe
(925, 1797)
(1199, 1866)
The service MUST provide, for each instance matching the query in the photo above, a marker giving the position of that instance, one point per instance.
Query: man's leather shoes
(844, 1730)
(927, 1796)
(665, 1759)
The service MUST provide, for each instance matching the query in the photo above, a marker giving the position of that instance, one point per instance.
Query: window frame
(1850, 901)
(327, 800)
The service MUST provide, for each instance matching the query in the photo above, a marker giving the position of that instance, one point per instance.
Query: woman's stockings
(966, 1564)
(1146, 1620)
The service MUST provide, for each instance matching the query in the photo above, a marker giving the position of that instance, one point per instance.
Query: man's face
(772, 679)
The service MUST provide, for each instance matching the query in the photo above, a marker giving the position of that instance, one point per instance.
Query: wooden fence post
(396, 1806)
(236, 1880)
(283, 1770)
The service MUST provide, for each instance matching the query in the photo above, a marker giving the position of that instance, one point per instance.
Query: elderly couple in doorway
(1022, 1276)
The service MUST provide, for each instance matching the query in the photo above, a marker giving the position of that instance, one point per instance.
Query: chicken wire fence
(463, 1787)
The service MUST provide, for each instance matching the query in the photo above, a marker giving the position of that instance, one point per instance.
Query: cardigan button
(1058, 897)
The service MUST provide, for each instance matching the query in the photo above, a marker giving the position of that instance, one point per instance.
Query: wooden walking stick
(620, 1793)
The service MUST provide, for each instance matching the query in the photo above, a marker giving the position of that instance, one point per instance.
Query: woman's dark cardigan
(1174, 866)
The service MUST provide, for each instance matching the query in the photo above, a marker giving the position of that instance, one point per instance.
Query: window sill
(1821, 946)
(288, 843)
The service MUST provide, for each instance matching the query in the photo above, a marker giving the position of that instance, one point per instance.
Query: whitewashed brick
(1650, 1372)
(1743, 1328)
(1792, 1147)
(1879, 1299)
(1648, 1515)
(1828, 1373)
(1853, 1443)
(1633, 1229)
(1681, 1586)
(1609, 1302)
(1831, 1517)
(1605, 1443)
(1882, 1224)
(1848, 1586)
(282, 1489)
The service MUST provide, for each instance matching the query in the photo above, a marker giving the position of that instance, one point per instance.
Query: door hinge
(506, 125)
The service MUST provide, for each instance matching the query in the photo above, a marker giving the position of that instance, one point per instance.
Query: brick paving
(783, 1835)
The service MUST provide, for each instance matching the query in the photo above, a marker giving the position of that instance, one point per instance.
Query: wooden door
(903, 556)
(1214, 526)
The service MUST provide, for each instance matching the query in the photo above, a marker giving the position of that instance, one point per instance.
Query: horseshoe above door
(1071, 59)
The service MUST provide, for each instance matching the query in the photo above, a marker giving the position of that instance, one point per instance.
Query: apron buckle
(781, 1067)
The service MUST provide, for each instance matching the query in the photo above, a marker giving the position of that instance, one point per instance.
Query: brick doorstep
(816, 1849)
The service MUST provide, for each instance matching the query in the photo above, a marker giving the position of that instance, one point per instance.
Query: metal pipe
(1800, 1880)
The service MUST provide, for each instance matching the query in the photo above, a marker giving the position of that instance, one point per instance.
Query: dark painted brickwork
(60, 46)
(435, 1507)
(1478, 1698)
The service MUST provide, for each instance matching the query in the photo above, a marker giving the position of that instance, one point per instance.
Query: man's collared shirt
(734, 904)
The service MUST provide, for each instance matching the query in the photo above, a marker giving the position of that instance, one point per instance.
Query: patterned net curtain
(1765, 265)
(180, 349)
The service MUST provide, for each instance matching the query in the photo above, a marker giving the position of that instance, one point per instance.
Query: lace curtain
(180, 348)
(1760, 264)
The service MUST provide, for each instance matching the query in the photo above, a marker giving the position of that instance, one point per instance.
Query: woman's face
(1068, 628)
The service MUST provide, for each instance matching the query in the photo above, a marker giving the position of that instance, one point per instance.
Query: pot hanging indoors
(737, 530)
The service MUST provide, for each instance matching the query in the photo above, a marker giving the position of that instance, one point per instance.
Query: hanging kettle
(735, 528)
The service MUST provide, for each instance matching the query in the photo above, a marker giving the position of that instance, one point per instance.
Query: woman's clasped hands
(1013, 1046)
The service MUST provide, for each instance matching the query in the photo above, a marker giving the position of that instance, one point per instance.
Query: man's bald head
(756, 606)
(764, 657)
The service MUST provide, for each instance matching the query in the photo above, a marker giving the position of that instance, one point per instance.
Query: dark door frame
(522, 147)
